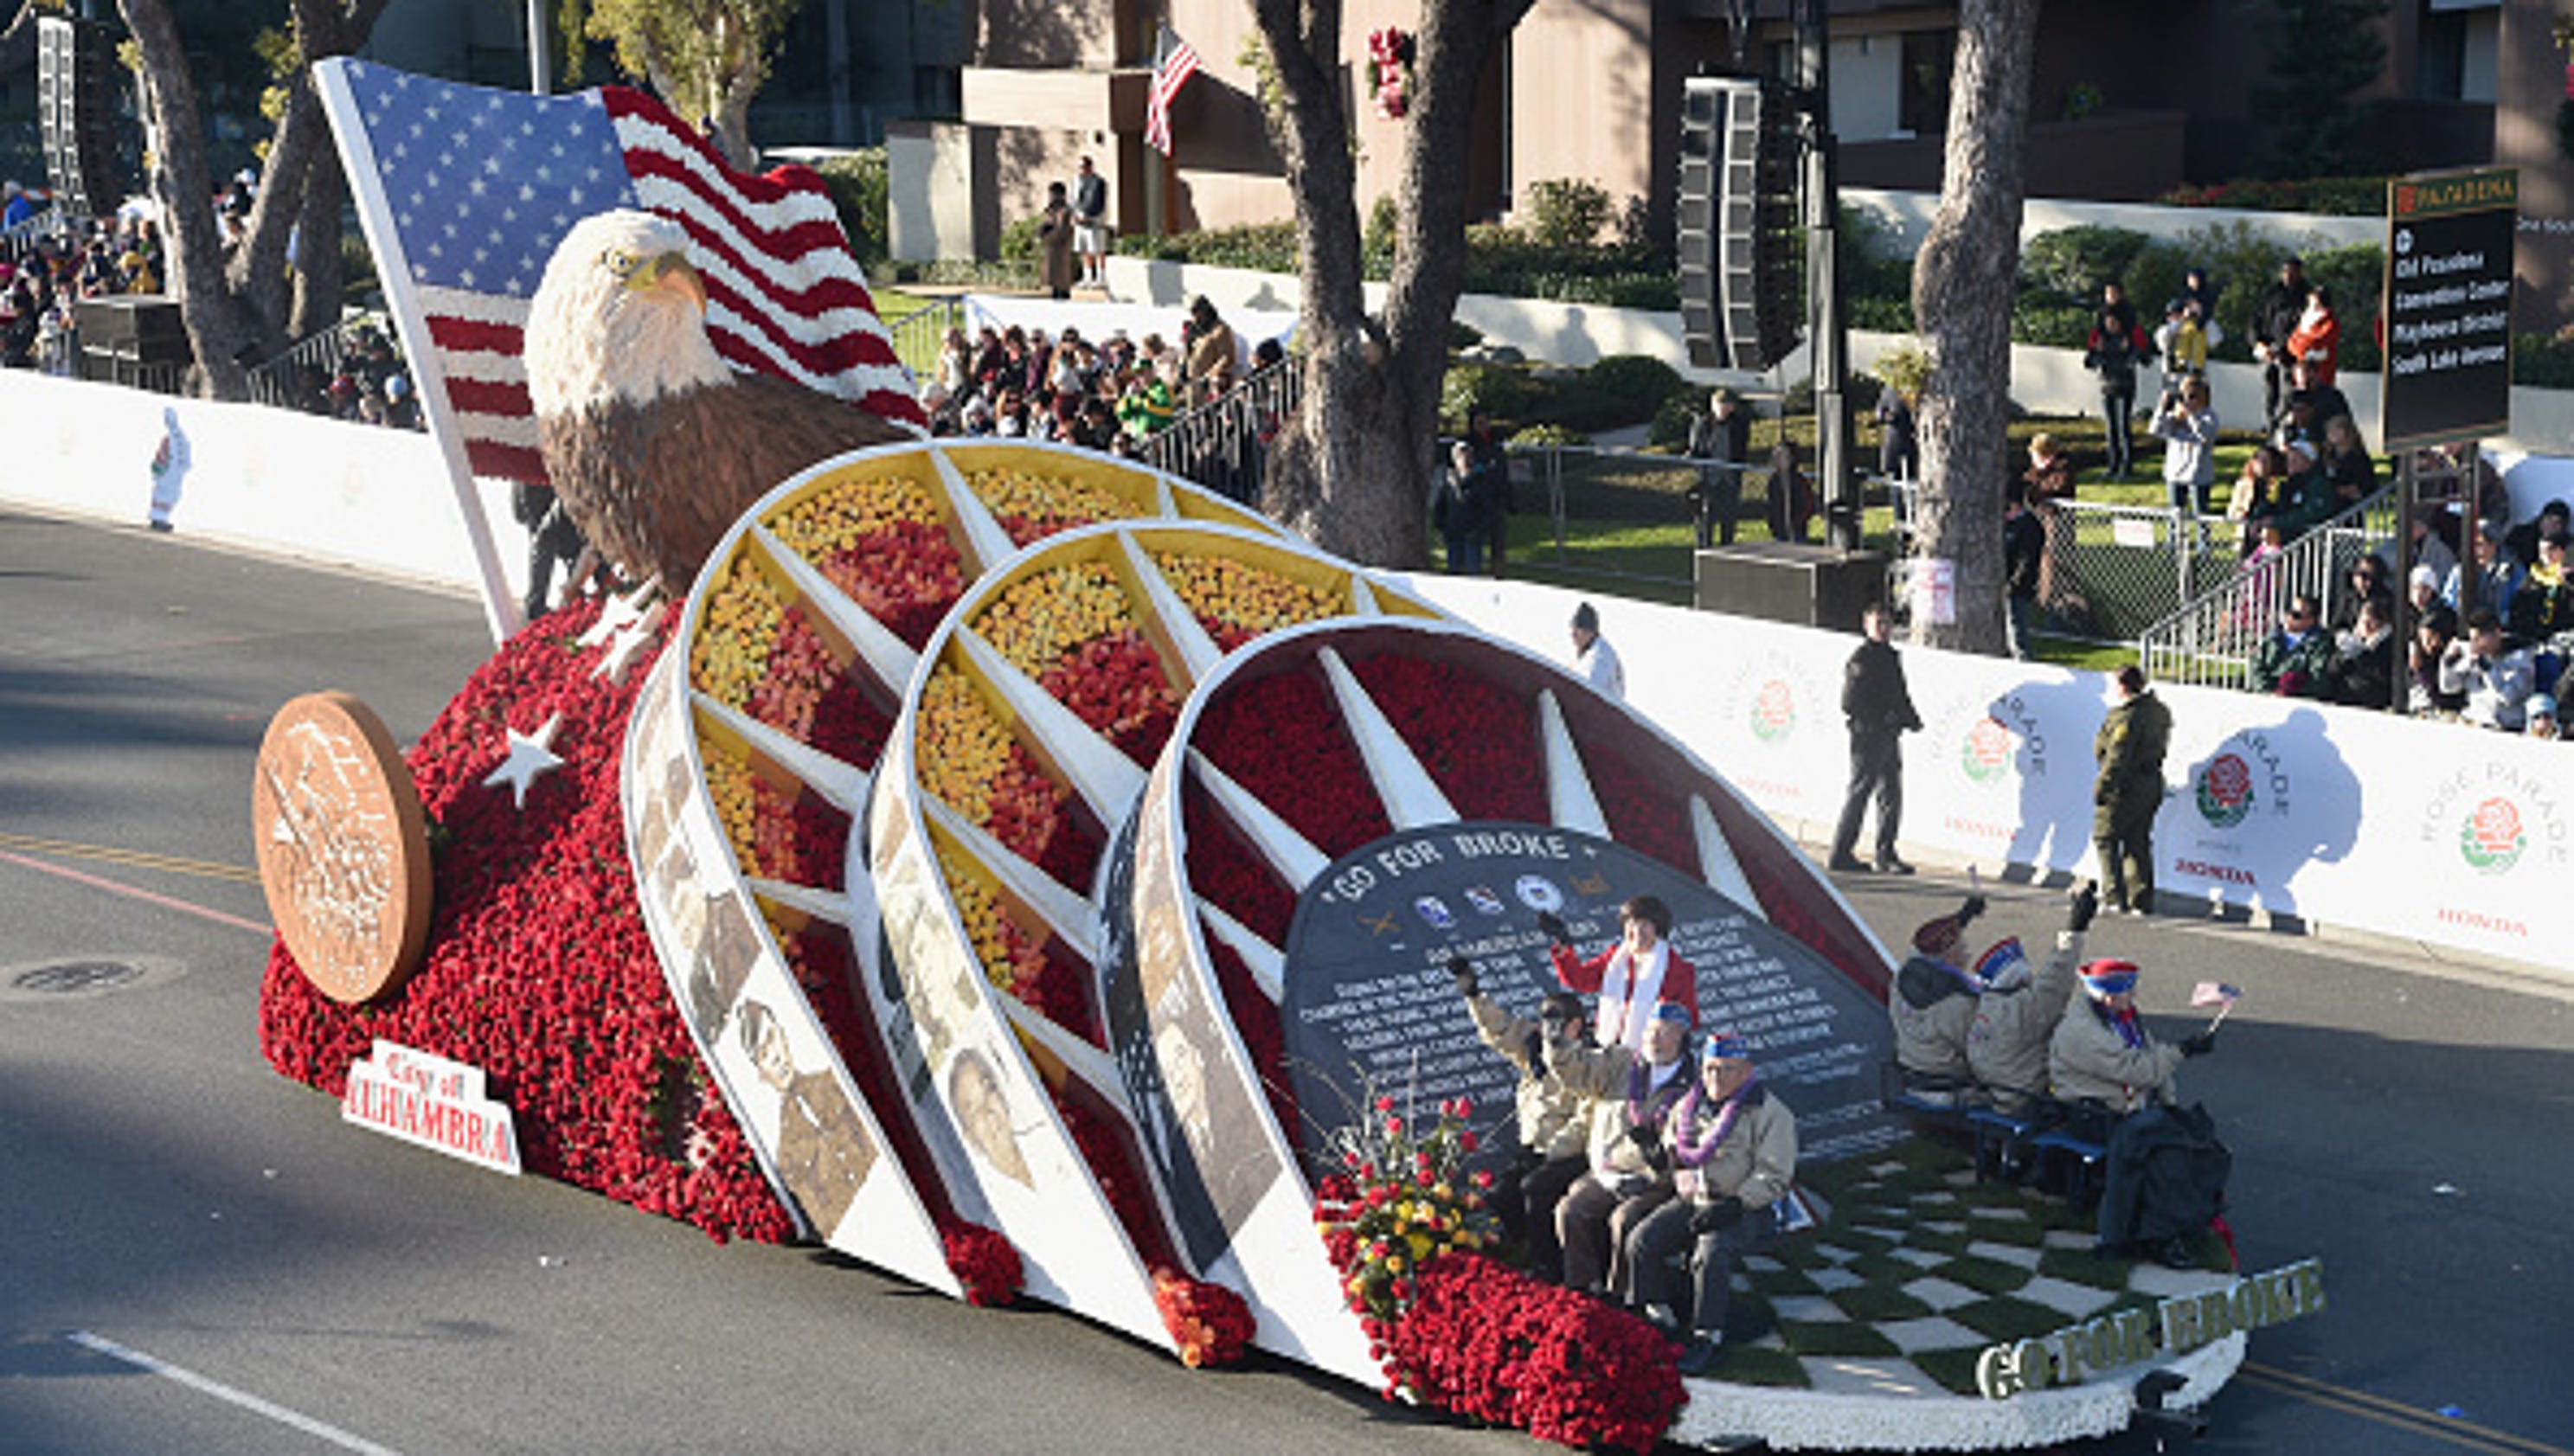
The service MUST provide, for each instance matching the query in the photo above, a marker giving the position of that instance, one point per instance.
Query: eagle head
(618, 318)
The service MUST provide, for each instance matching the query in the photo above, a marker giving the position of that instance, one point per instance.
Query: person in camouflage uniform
(2129, 749)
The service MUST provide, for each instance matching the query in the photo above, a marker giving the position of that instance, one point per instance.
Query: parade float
(1029, 875)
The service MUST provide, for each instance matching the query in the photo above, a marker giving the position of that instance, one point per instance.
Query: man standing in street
(2130, 790)
(1090, 224)
(1879, 709)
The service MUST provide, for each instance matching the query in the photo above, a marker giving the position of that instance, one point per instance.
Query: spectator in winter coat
(2023, 556)
(2521, 542)
(2495, 684)
(2294, 662)
(2276, 313)
(2188, 429)
(1631, 1095)
(1720, 441)
(2497, 580)
(2363, 670)
(2544, 605)
(2015, 1015)
(1554, 1127)
(2115, 349)
(2317, 337)
(1932, 1001)
(2434, 633)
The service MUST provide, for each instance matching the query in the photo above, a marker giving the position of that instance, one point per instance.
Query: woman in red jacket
(1631, 977)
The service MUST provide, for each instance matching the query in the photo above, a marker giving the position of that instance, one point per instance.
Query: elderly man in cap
(1932, 1002)
(2016, 1013)
(2103, 1061)
(1631, 1095)
(1552, 1131)
(1733, 1153)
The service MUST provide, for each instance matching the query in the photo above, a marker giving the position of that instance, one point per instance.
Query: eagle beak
(670, 272)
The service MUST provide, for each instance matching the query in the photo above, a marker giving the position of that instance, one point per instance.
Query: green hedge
(1501, 261)
(857, 182)
(2352, 197)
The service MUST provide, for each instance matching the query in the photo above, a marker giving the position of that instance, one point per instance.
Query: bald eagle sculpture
(654, 444)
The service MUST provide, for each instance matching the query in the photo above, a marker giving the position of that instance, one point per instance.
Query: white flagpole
(428, 369)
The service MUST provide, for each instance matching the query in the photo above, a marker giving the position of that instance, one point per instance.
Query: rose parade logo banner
(2489, 828)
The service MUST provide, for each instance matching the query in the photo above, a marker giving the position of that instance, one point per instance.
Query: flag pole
(428, 371)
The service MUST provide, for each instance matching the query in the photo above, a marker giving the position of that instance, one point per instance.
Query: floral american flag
(465, 191)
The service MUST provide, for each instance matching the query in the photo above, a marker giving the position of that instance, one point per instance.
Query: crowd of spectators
(43, 274)
(1109, 394)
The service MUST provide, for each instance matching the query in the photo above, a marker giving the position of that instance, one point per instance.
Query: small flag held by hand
(2214, 993)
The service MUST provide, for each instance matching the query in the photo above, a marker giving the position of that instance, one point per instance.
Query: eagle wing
(656, 485)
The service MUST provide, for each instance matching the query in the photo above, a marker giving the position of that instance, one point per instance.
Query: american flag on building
(1173, 64)
(465, 191)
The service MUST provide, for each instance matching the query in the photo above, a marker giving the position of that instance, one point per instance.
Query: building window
(1928, 57)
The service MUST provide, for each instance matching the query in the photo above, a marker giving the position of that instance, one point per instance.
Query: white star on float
(628, 642)
(614, 616)
(530, 755)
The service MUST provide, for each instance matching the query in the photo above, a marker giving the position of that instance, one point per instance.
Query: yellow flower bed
(962, 747)
(1009, 959)
(1030, 506)
(1226, 594)
(1044, 616)
(734, 637)
(734, 790)
(847, 512)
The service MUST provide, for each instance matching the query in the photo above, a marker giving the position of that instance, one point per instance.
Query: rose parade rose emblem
(2491, 839)
(1985, 752)
(1774, 711)
(2225, 791)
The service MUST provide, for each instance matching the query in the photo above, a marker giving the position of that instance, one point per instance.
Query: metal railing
(919, 337)
(2212, 637)
(1223, 444)
(17, 240)
(279, 380)
(2110, 572)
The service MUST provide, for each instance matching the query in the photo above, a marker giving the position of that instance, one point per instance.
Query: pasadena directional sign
(2448, 306)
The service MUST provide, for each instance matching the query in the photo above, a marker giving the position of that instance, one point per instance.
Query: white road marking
(221, 1391)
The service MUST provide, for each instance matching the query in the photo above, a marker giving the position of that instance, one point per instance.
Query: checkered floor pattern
(1914, 1269)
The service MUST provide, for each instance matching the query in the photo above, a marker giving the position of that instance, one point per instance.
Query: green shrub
(1462, 334)
(1640, 378)
(1673, 417)
(1019, 241)
(1499, 390)
(1376, 240)
(1565, 212)
(1881, 315)
(2058, 325)
(2069, 265)
(2542, 361)
(857, 184)
(1536, 434)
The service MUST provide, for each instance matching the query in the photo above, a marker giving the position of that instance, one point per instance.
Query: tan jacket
(2007, 1045)
(2085, 1059)
(1933, 1011)
(1599, 1077)
(1756, 1162)
(1551, 1123)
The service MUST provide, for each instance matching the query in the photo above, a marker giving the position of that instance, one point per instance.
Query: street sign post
(2448, 307)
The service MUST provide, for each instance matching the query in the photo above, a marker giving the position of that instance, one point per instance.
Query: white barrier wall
(280, 481)
(2428, 832)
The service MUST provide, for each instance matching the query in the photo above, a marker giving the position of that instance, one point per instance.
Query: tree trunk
(1962, 283)
(1354, 468)
(220, 328)
(241, 303)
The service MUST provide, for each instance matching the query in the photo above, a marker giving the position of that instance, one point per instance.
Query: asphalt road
(195, 1255)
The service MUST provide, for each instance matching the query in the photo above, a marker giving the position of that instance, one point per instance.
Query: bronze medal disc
(343, 846)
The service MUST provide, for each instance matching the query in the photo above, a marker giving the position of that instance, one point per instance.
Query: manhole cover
(78, 976)
(87, 975)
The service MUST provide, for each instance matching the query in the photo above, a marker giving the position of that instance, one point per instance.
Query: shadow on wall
(2265, 802)
(2056, 773)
